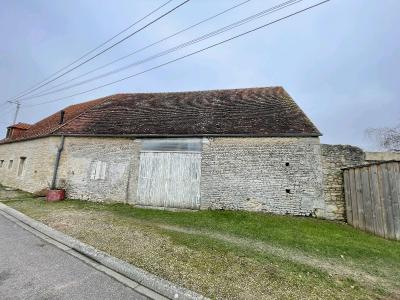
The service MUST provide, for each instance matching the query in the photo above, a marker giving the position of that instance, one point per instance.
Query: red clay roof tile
(23, 126)
(248, 112)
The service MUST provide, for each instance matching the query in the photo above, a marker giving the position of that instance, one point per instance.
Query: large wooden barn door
(169, 176)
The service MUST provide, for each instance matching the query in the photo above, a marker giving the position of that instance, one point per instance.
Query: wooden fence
(372, 194)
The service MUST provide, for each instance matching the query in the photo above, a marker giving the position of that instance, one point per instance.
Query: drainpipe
(57, 163)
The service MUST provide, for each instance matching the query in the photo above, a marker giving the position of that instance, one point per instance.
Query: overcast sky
(340, 61)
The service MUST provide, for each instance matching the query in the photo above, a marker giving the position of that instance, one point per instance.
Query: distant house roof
(236, 112)
(23, 126)
(47, 125)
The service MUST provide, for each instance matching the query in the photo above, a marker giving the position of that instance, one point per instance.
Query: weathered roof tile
(248, 112)
(23, 126)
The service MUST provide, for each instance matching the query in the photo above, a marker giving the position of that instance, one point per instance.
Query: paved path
(31, 268)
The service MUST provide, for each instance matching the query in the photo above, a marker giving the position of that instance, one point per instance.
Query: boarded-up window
(10, 164)
(21, 165)
(1, 163)
(172, 145)
(98, 170)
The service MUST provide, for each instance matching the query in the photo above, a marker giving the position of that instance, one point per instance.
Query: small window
(10, 164)
(1, 163)
(21, 165)
(8, 134)
(98, 170)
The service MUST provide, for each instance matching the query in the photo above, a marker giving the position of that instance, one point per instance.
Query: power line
(106, 49)
(176, 48)
(187, 55)
(96, 48)
(148, 46)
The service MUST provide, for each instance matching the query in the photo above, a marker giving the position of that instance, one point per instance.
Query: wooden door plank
(376, 202)
(360, 204)
(385, 215)
(347, 196)
(366, 199)
(354, 203)
(387, 201)
(394, 178)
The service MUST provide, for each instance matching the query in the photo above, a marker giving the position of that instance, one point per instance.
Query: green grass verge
(228, 265)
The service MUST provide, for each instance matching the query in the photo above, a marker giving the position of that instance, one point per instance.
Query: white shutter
(98, 170)
(103, 167)
(93, 173)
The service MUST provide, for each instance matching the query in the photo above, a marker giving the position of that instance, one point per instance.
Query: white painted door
(169, 179)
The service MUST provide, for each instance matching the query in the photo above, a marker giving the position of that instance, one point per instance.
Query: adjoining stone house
(249, 149)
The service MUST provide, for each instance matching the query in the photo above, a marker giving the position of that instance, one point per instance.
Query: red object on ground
(55, 195)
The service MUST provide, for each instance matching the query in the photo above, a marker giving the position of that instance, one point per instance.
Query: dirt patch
(7, 193)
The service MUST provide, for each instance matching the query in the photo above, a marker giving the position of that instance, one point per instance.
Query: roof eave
(192, 135)
(163, 136)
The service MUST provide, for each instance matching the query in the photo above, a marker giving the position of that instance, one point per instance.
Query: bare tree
(385, 138)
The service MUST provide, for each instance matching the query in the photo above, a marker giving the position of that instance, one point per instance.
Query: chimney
(62, 113)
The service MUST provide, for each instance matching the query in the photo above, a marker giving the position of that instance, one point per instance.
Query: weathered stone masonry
(38, 167)
(237, 173)
(279, 175)
(334, 158)
(81, 158)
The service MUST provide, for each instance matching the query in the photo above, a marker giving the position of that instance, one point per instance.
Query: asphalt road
(31, 268)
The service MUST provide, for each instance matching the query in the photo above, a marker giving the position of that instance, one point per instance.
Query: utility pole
(18, 105)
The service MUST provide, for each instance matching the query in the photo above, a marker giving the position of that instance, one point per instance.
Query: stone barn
(241, 149)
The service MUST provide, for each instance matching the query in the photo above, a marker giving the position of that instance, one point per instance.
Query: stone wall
(99, 169)
(334, 158)
(279, 175)
(382, 156)
(38, 167)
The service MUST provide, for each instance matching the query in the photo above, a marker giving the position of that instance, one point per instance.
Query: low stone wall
(382, 156)
(334, 158)
(279, 175)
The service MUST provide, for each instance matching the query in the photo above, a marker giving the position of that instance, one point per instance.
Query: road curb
(148, 280)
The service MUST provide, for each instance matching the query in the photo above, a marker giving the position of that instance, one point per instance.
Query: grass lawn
(234, 255)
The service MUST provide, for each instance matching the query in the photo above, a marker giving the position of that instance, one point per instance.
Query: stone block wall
(38, 168)
(278, 175)
(334, 158)
(99, 169)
